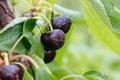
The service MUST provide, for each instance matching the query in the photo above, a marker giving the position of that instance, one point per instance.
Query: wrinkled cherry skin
(9, 72)
(49, 55)
(62, 22)
(53, 40)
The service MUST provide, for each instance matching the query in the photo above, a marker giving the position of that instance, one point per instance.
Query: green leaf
(34, 40)
(76, 16)
(10, 36)
(27, 76)
(89, 77)
(41, 74)
(10, 33)
(61, 72)
(13, 23)
(95, 75)
(22, 6)
(98, 26)
(52, 1)
(100, 10)
(114, 15)
(40, 62)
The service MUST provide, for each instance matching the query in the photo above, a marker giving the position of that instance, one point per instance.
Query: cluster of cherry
(54, 39)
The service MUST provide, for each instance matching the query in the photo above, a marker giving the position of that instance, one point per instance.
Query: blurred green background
(82, 51)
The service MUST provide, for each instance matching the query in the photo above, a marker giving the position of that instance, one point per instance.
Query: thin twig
(26, 57)
(14, 46)
(72, 75)
(47, 20)
(45, 3)
(5, 56)
(20, 64)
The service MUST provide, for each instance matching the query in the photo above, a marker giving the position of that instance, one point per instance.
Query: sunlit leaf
(100, 10)
(89, 77)
(51, 1)
(98, 27)
(61, 72)
(114, 15)
(95, 75)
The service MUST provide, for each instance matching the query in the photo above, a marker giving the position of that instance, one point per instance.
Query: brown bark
(1, 58)
(30, 13)
(6, 13)
(27, 14)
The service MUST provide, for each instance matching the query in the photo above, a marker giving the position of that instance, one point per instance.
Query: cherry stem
(47, 21)
(14, 46)
(37, 33)
(46, 8)
(72, 76)
(6, 60)
(20, 64)
(40, 2)
(26, 57)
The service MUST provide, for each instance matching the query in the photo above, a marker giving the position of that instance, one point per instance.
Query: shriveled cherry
(53, 40)
(49, 55)
(8, 72)
(62, 22)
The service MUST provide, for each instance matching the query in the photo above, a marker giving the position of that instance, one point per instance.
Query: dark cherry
(9, 72)
(49, 55)
(53, 40)
(62, 22)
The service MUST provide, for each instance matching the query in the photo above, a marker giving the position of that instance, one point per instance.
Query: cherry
(53, 40)
(9, 72)
(62, 22)
(49, 55)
